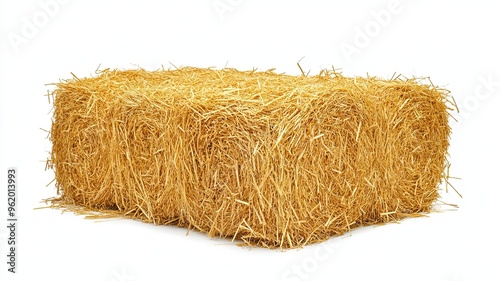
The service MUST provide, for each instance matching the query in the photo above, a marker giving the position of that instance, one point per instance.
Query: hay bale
(272, 159)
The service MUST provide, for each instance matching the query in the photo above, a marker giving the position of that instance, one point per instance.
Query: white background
(454, 42)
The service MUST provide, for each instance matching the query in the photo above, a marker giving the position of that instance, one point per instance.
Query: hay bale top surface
(202, 85)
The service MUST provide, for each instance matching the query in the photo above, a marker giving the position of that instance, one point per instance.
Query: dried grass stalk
(272, 159)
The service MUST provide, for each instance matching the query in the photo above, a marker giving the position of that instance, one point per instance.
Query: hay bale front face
(274, 160)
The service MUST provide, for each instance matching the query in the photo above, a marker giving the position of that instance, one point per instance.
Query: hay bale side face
(274, 160)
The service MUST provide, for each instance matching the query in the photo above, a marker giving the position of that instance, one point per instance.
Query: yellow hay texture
(271, 159)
